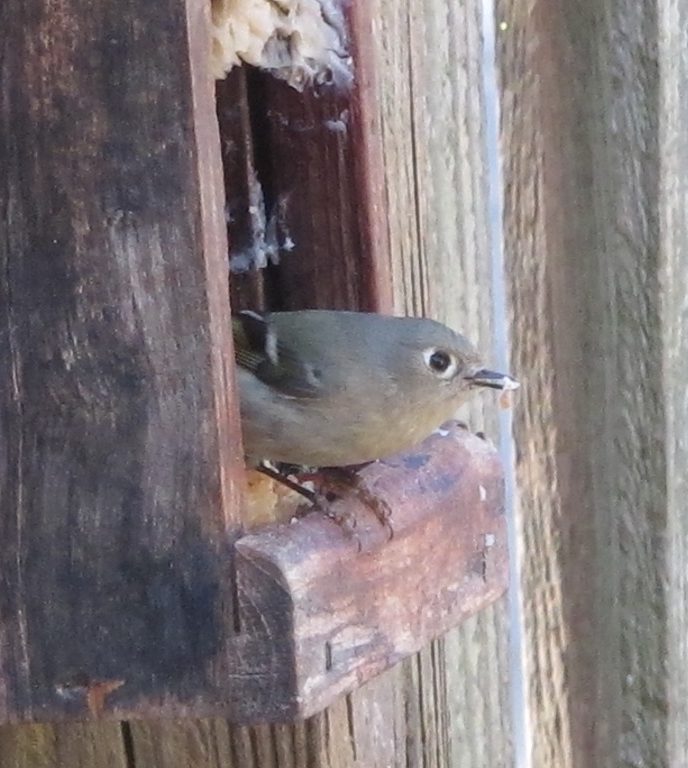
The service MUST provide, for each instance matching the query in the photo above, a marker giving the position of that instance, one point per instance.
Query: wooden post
(594, 114)
(120, 440)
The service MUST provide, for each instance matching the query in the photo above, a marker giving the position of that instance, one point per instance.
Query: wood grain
(118, 468)
(251, 226)
(305, 202)
(596, 324)
(431, 120)
(673, 201)
(358, 604)
(80, 745)
(419, 151)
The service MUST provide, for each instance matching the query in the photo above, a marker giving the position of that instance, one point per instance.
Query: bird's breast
(330, 431)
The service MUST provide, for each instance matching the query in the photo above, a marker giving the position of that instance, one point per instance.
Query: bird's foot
(337, 482)
(331, 483)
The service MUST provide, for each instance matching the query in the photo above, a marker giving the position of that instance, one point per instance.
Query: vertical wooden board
(674, 251)
(310, 171)
(526, 249)
(251, 229)
(77, 745)
(445, 707)
(117, 469)
(429, 76)
(312, 220)
(431, 118)
(379, 723)
(431, 113)
(475, 692)
(182, 744)
(580, 125)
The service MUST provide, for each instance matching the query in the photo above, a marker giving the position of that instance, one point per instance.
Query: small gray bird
(325, 388)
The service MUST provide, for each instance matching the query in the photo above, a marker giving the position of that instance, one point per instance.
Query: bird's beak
(484, 378)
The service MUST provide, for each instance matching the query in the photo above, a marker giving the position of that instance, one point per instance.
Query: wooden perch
(329, 617)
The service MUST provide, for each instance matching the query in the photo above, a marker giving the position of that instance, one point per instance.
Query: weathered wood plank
(379, 725)
(357, 604)
(251, 227)
(92, 745)
(673, 202)
(431, 118)
(188, 743)
(118, 477)
(597, 324)
(313, 202)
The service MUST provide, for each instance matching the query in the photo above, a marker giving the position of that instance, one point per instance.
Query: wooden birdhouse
(141, 573)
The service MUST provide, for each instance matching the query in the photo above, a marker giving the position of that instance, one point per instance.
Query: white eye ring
(441, 363)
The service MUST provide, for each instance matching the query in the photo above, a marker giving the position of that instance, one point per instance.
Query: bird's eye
(442, 363)
(439, 361)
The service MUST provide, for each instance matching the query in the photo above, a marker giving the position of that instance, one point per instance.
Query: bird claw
(341, 480)
(332, 483)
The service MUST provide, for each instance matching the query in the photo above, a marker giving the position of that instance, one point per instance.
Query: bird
(334, 388)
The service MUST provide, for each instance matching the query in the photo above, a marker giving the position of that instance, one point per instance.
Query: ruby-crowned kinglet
(330, 388)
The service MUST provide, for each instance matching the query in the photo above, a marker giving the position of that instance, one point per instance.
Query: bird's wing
(273, 360)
